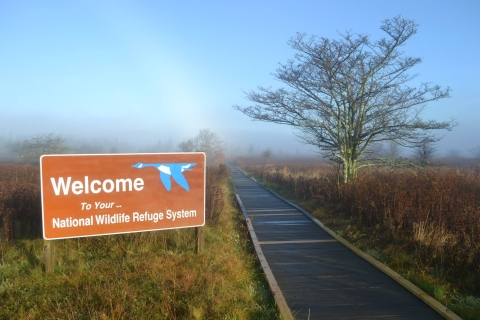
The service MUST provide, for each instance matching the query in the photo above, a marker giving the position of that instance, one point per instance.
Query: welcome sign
(92, 195)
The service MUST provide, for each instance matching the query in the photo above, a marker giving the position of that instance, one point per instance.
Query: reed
(435, 214)
(153, 275)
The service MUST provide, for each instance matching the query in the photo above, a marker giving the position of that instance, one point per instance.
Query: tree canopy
(345, 95)
(32, 149)
(205, 141)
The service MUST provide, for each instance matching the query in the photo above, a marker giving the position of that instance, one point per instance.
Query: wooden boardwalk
(318, 276)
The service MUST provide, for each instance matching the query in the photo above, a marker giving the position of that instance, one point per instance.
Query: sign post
(200, 239)
(93, 195)
(49, 252)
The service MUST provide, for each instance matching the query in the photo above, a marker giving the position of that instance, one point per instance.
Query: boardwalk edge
(425, 297)
(284, 309)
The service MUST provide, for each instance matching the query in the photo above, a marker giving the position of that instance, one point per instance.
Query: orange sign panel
(92, 195)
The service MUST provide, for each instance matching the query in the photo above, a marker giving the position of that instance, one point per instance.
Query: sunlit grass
(418, 253)
(151, 275)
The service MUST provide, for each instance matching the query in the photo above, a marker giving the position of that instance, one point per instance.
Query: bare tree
(392, 151)
(189, 145)
(32, 149)
(476, 156)
(454, 154)
(425, 153)
(205, 141)
(375, 151)
(266, 154)
(251, 151)
(343, 95)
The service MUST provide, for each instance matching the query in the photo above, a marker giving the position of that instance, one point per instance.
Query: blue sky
(149, 70)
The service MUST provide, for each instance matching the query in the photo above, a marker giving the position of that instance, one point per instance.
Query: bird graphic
(168, 170)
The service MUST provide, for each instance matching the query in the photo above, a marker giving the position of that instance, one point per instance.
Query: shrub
(437, 210)
(20, 204)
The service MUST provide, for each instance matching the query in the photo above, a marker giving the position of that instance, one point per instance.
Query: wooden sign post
(49, 252)
(200, 239)
(93, 195)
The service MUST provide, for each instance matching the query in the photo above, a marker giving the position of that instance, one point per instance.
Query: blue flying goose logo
(168, 170)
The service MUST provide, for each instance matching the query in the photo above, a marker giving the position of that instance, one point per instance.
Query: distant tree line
(30, 150)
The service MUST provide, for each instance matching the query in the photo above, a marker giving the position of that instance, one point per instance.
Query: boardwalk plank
(321, 280)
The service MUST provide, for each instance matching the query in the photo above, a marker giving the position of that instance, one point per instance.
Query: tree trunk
(350, 168)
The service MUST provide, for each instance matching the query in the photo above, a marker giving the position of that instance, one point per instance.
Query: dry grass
(421, 222)
(19, 202)
(431, 235)
(153, 275)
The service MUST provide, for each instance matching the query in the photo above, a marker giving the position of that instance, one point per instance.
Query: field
(425, 224)
(153, 275)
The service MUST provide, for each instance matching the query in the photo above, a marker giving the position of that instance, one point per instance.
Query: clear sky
(154, 70)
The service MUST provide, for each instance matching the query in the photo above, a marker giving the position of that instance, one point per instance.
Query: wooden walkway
(318, 276)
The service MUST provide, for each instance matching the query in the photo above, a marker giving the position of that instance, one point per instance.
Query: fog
(85, 136)
(142, 77)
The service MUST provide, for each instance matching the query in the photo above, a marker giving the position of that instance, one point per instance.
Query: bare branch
(205, 141)
(344, 95)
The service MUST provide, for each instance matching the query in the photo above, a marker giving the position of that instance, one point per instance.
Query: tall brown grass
(148, 275)
(20, 204)
(214, 198)
(436, 212)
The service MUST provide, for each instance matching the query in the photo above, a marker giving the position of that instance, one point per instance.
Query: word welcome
(77, 187)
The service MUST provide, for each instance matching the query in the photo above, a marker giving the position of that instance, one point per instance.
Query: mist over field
(113, 140)
(283, 144)
(142, 77)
